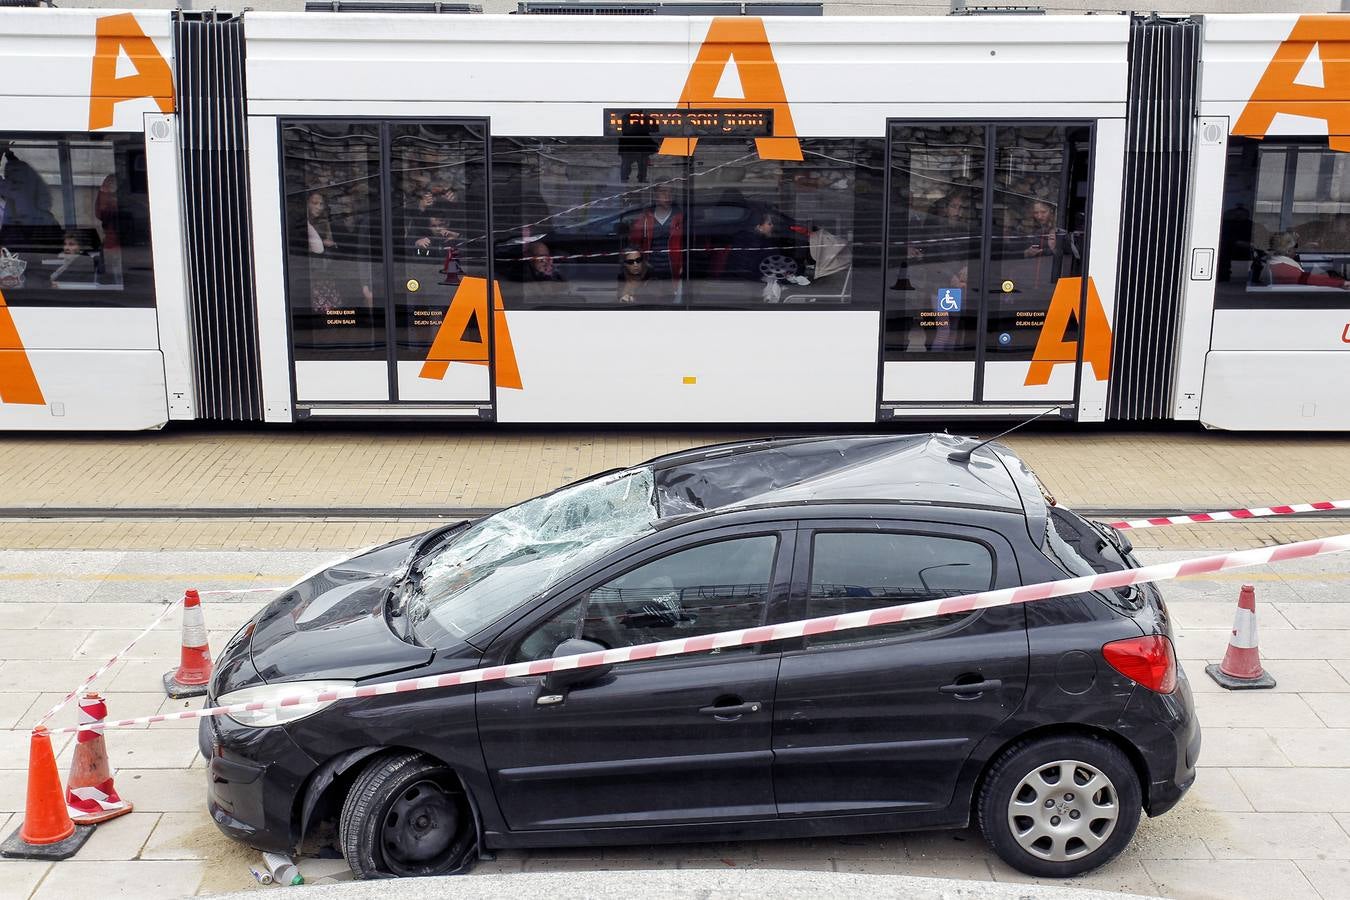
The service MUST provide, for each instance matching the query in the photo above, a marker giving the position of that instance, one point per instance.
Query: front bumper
(254, 779)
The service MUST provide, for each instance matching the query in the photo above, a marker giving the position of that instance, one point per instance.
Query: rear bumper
(1166, 731)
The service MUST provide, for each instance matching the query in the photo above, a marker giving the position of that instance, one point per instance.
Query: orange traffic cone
(47, 831)
(1241, 666)
(194, 668)
(91, 796)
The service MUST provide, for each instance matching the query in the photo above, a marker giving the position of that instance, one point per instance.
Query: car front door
(881, 720)
(673, 740)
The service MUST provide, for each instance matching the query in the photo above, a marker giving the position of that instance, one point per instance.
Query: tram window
(1285, 234)
(439, 226)
(588, 223)
(335, 270)
(74, 220)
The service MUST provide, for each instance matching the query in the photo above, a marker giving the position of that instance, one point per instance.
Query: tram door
(984, 222)
(388, 264)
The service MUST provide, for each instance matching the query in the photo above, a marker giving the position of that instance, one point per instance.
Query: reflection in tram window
(936, 219)
(74, 221)
(1040, 212)
(439, 217)
(1285, 233)
(333, 221)
(721, 228)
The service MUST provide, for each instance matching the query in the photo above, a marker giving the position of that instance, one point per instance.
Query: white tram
(538, 218)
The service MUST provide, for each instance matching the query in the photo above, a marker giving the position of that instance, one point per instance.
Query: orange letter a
(744, 39)
(18, 384)
(1051, 347)
(1278, 91)
(153, 79)
(470, 304)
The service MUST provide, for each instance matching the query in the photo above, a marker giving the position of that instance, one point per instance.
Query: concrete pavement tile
(13, 708)
(171, 748)
(808, 864)
(18, 877)
(88, 616)
(13, 788)
(1276, 836)
(1292, 676)
(1268, 591)
(1333, 709)
(1216, 789)
(1314, 746)
(140, 879)
(59, 562)
(499, 866)
(229, 617)
(1342, 666)
(1312, 615)
(242, 570)
(1238, 747)
(34, 643)
(1121, 875)
(29, 592)
(610, 865)
(24, 615)
(161, 790)
(141, 675)
(122, 838)
(1296, 790)
(961, 869)
(1208, 614)
(1255, 709)
(314, 868)
(966, 843)
(168, 705)
(1305, 643)
(1224, 879)
(1331, 877)
(15, 744)
(163, 644)
(1176, 835)
(739, 852)
(186, 835)
(22, 675)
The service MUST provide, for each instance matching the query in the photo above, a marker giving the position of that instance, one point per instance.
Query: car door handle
(972, 687)
(739, 709)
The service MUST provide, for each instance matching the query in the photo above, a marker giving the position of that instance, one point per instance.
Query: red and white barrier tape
(822, 625)
(1233, 515)
(107, 665)
(261, 590)
(97, 673)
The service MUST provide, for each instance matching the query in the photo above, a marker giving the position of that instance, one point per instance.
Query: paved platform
(1269, 814)
(327, 489)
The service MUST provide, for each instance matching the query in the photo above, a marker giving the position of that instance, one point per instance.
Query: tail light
(1148, 660)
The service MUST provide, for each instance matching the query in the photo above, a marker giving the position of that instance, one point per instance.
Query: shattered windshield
(506, 559)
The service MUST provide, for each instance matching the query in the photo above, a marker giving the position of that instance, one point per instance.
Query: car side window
(852, 571)
(713, 587)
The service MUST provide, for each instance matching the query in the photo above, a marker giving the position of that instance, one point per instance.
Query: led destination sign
(689, 123)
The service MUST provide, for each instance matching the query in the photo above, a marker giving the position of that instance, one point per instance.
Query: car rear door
(674, 740)
(881, 720)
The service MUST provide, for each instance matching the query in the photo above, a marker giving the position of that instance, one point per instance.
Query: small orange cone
(1241, 666)
(47, 831)
(91, 796)
(194, 668)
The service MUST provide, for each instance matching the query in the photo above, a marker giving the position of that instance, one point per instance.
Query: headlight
(265, 718)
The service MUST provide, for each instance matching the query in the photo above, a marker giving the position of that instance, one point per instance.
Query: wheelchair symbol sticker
(949, 300)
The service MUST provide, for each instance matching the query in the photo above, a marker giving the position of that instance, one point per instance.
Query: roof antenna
(964, 455)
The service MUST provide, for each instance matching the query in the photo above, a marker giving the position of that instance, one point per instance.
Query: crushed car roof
(915, 468)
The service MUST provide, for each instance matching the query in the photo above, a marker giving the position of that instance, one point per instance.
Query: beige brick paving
(467, 466)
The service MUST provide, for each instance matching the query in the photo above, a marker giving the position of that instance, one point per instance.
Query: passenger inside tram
(1286, 266)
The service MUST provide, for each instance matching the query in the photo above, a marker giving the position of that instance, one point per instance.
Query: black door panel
(883, 721)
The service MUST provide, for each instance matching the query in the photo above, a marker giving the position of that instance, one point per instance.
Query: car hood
(332, 624)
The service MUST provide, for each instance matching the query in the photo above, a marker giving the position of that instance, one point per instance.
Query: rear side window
(1083, 550)
(856, 571)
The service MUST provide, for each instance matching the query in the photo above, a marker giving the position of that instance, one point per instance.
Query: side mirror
(555, 682)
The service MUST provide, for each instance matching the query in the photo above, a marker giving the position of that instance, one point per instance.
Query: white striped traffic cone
(91, 796)
(194, 668)
(1241, 666)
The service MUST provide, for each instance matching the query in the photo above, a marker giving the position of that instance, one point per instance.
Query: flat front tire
(1060, 806)
(405, 815)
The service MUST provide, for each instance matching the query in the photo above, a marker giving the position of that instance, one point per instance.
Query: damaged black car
(1053, 724)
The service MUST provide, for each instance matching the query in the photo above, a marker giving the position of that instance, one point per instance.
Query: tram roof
(915, 468)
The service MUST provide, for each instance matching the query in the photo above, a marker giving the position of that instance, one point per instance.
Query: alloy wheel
(1063, 810)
